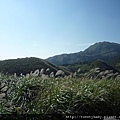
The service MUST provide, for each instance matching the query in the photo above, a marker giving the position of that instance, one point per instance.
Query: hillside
(87, 66)
(109, 52)
(26, 65)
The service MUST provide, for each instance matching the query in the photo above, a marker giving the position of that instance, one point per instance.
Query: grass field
(35, 95)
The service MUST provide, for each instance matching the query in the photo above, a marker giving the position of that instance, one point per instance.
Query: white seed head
(74, 74)
(59, 72)
(31, 73)
(47, 69)
(27, 75)
(4, 89)
(36, 73)
(0, 75)
(15, 75)
(52, 74)
(2, 85)
(43, 76)
(41, 71)
(2, 95)
(78, 70)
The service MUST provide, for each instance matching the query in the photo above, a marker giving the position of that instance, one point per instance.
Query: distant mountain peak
(101, 50)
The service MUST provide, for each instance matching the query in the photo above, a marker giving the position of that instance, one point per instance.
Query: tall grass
(34, 95)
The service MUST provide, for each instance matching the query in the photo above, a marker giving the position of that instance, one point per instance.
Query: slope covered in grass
(87, 66)
(26, 65)
(35, 95)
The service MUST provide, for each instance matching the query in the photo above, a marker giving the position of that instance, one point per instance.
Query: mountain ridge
(26, 65)
(100, 50)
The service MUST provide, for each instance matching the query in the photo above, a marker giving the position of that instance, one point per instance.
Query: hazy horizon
(46, 28)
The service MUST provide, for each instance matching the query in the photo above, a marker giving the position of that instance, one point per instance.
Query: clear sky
(44, 28)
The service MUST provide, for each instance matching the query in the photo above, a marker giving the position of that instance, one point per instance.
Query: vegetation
(87, 66)
(85, 87)
(109, 52)
(36, 95)
(104, 55)
(26, 65)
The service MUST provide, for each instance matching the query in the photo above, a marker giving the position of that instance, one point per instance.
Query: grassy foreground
(35, 95)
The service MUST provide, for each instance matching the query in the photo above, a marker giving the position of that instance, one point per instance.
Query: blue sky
(44, 28)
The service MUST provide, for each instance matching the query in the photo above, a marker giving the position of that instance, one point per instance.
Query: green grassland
(36, 95)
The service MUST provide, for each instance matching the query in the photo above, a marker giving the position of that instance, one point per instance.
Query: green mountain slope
(109, 52)
(26, 65)
(87, 66)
